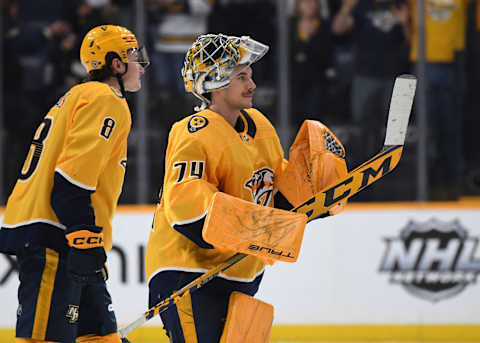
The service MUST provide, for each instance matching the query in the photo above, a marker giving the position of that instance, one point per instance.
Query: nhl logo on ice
(432, 260)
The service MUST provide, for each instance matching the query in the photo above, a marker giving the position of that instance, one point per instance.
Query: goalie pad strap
(248, 320)
(85, 239)
(242, 226)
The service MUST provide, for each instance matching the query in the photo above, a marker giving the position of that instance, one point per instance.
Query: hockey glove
(316, 160)
(86, 257)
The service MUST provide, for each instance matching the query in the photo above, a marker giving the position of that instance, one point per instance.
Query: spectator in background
(341, 72)
(88, 14)
(381, 34)
(445, 29)
(33, 33)
(254, 18)
(472, 101)
(126, 8)
(310, 58)
(12, 119)
(175, 26)
(45, 31)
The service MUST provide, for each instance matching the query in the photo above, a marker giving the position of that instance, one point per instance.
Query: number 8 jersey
(84, 139)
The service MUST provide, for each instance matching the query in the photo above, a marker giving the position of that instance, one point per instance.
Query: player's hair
(105, 72)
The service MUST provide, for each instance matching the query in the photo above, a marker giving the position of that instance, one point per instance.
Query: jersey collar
(245, 125)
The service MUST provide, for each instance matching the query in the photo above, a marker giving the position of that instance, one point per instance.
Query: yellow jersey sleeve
(185, 180)
(94, 129)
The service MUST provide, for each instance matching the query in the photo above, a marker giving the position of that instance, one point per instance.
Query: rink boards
(405, 271)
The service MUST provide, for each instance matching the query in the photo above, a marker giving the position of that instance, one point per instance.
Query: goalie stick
(355, 181)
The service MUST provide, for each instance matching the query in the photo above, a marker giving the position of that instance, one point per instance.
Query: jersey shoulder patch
(196, 123)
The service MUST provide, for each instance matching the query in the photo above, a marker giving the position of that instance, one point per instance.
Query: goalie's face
(239, 94)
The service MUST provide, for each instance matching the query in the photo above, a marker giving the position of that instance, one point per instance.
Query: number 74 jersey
(205, 155)
(84, 138)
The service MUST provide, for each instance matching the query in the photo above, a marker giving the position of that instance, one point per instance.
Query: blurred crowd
(343, 58)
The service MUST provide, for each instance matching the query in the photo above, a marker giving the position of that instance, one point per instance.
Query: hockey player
(58, 219)
(227, 156)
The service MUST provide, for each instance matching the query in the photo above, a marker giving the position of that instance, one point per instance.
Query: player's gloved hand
(86, 258)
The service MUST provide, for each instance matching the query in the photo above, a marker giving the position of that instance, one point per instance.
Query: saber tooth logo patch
(261, 186)
(432, 260)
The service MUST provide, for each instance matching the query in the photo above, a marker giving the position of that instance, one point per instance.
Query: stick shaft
(170, 301)
(355, 181)
(359, 178)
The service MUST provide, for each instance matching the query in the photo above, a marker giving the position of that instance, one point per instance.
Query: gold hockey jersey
(84, 138)
(445, 29)
(205, 154)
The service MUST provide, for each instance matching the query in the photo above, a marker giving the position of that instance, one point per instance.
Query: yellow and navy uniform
(445, 29)
(205, 154)
(72, 175)
(80, 147)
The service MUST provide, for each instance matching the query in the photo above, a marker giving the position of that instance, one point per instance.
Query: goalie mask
(212, 58)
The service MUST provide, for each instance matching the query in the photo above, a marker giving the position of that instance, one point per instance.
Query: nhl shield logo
(432, 260)
(261, 186)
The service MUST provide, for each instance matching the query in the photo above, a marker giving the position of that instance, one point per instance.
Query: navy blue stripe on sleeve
(72, 204)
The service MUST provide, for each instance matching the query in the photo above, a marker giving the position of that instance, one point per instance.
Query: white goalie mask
(211, 59)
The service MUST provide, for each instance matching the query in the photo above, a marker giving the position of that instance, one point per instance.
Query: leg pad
(248, 320)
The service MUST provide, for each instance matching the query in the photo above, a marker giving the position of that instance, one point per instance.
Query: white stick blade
(400, 108)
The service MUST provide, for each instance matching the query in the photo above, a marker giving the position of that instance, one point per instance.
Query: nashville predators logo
(261, 186)
(72, 313)
(196, 123)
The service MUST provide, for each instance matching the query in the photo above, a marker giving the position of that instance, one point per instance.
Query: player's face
(239, 93)
(307, 7)
(132, 79)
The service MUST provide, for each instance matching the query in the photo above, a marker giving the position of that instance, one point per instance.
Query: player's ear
(117, 66)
